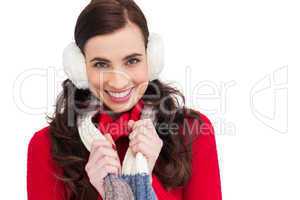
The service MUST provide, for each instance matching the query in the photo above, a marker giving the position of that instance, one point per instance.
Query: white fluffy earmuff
(75, 69)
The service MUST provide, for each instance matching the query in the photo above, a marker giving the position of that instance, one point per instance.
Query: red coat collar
(118, 127)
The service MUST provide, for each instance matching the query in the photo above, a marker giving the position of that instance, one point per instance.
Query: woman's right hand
(103, 159)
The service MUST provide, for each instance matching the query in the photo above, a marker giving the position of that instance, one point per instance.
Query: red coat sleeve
(41, 170)
(205, 180)
(41, 182)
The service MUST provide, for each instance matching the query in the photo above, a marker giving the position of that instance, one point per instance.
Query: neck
(114, 115)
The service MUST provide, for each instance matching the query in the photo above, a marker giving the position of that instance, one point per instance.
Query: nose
(118, 80)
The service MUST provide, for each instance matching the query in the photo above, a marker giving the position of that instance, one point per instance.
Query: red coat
(203, 185)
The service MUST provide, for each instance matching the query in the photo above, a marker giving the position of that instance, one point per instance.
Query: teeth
(119, 95)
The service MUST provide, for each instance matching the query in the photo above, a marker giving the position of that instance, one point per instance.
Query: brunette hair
(173, 167)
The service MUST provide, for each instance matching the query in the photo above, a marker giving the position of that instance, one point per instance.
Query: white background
(236, 61)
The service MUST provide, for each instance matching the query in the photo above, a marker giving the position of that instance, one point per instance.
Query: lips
(120, 96)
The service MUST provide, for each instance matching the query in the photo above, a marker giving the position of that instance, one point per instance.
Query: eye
(133, 61)
(100, 64)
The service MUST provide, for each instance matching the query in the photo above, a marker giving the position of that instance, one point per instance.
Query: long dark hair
(173, 167)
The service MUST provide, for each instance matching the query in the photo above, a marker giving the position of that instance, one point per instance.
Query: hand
(103, 159)
(145, 139)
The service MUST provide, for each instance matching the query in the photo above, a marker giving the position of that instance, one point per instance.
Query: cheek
(94, 78)
(140, 74)
(140, 79)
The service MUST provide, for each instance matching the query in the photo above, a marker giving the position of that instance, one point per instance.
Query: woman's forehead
(122, 42)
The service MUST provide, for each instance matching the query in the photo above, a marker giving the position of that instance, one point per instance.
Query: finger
(142, 148)
(139, 138)
(132, 134)
(145, 131)
(110, 139)
(112, 162)
(130, 124)
(108, 160)
(145, 123)
(111, 169)
(102, 171)
(98, 143)
(103, 156)
(102, 161)
(108, 142)
(101, 152)
(141, 131)
(138, 123)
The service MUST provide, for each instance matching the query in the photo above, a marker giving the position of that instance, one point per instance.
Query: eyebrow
(107, 60)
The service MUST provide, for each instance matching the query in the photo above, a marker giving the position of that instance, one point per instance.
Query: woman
(180, 148)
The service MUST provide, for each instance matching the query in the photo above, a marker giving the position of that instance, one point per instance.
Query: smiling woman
(117, 80)
(112, 72)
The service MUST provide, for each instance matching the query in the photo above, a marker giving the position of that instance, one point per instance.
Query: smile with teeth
(120, 96)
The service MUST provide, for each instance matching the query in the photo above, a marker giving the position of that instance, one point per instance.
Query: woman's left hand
(145, 139)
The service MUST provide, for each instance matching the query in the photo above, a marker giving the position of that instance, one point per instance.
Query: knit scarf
(119, 127)
(134, 181)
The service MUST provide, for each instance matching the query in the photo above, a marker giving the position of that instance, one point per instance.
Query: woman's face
(117, 67)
